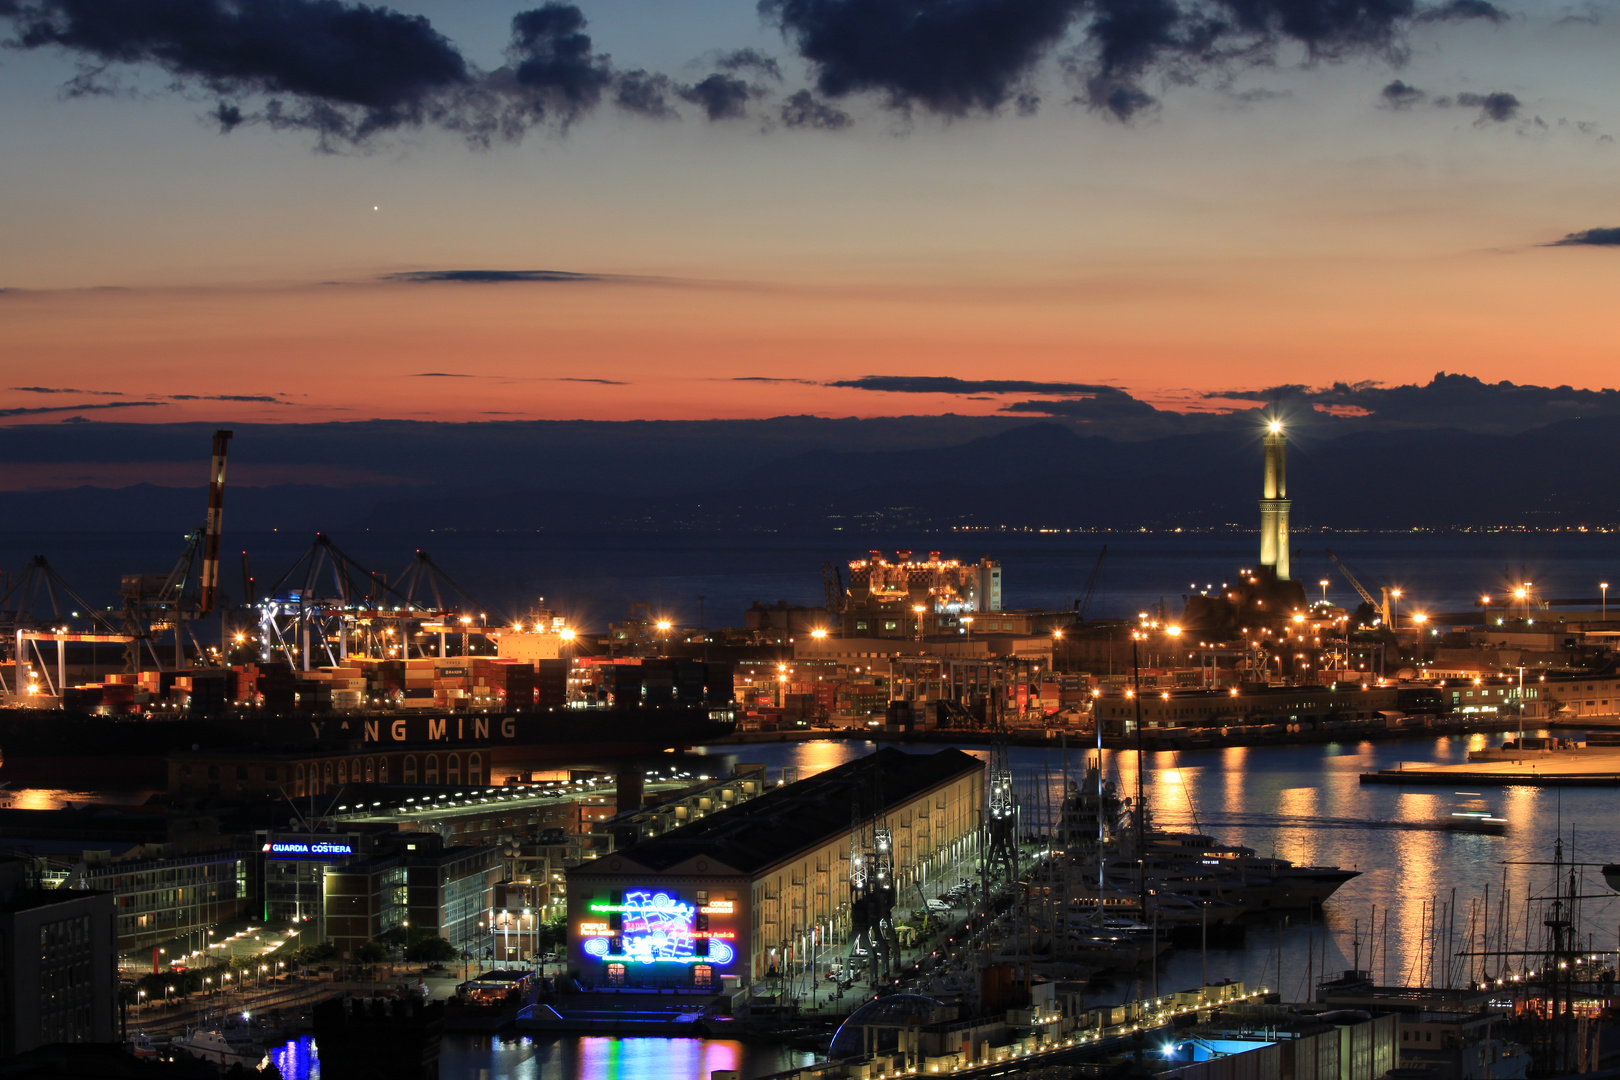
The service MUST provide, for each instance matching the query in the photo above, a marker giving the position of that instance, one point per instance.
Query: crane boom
(1083, 605)
(1381, 605)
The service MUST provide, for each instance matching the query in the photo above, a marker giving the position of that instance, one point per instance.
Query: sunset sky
(1385, 209)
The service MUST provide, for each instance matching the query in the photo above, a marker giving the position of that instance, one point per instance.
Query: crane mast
(216, 520)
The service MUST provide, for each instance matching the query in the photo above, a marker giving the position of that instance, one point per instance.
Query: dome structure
(888, 1014)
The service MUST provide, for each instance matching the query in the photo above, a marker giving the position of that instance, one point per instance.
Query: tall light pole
(1604, 585)
(919, 609)
(1141, 840)
(1324, 584)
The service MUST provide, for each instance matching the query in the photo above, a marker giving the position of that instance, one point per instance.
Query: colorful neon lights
(656, 928)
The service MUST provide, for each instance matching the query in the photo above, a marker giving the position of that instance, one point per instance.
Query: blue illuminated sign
(659, 929)
(322, 849)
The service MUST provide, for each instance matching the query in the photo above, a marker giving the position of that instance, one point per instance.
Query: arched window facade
(371, 770)
(410, 768)
(453, 769)
(343, 772)
(382, 770)
(475, 769)
(298, 788)
(432, 776)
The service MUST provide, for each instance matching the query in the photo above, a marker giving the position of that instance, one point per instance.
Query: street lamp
(919, 609)
(1324, 584)
(1604, 585)
(1141, 849)
(967, 624)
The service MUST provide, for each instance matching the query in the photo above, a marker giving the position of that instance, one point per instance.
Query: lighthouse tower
(1274, 504)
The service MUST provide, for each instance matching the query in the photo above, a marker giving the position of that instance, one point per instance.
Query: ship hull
(56, 748)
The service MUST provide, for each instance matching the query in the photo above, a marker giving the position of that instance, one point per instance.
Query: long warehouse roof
(788, 819)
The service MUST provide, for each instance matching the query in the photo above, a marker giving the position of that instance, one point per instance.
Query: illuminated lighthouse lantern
(1274, 503)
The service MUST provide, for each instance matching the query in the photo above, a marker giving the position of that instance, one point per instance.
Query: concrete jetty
(1597, 766)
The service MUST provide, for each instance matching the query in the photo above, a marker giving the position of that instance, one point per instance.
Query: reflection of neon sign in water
(657, 928)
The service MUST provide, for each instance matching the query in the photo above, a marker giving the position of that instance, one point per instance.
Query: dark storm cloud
(63, 390)
(944, 384)
(491, 277)
(722, 97)
(803, 110)
(1463, 10)
(551, 54)
(947, 56)
(645, 93)
(39, 409)
(1398, 95)
(1110, 405)
(955, 57)
(772, 379)
(345, 71)
(349, 71)
(749, 60)
(1446, 400)
(1602, 237)
(1496, 107)
(363, 69)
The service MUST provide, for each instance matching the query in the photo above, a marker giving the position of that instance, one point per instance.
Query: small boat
(1474, 821)
(213, 1046)
(140, 1047)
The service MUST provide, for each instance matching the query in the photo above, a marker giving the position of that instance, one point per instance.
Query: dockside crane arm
(1382, 606)
(1083, 605)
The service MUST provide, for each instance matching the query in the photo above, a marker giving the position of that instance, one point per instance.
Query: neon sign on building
(656, 928)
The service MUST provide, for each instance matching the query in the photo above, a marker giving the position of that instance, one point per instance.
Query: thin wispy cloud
(39, 410)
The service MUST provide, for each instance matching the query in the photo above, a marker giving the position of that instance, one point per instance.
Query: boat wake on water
(1303, 821)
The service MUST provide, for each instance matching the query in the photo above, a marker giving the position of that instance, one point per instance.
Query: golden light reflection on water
(57, 798)
(1296, 843)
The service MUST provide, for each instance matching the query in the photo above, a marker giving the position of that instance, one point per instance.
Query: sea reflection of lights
(1297, 843)
(296, 1060)
(642, 1058)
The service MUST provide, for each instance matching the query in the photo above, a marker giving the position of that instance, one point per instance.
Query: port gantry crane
(25, 625)
(327, 603)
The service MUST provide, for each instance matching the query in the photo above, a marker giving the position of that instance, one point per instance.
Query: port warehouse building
(765, 884)
(1255, 704)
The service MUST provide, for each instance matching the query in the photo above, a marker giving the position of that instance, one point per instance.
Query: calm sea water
(594, 578)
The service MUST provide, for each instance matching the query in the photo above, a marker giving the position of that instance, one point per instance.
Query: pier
(1597, 766)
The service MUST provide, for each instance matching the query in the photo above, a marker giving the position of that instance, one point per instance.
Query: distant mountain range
(813, 474)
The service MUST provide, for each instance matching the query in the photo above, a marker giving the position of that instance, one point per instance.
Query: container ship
(511, 713)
